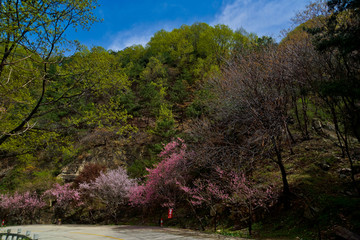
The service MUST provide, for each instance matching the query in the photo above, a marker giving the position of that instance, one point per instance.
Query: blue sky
(126, 23)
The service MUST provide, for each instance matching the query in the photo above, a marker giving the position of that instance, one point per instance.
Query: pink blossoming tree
(206, 193)
(62, 198)
(229, 189)
(20, 207)
(161, 187)
(245, 195)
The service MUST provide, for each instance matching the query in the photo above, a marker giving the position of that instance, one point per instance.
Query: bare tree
(251, 110)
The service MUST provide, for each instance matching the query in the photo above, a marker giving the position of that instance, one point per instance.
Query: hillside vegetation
(234, 132)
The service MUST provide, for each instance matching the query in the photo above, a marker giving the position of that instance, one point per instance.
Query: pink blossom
(161, 186)
(63, 195)
(112, 187)
(21, 205)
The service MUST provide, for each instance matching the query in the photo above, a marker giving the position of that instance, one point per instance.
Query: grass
(243, 233)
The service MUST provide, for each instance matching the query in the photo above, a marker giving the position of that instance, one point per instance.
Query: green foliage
(200, 106)
(178, 92)
(138, 168)
(130, 103)
(153, 86)
(165, 125)
(86, 92)
(338, 39)
(29, 43)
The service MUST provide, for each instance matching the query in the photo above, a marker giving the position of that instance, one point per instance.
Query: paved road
(87, 232)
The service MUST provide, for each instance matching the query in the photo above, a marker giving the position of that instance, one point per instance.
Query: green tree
(153, 85)
(133, 59)
(31, 33)
(84, 95)
(165, 123)
(96, 79)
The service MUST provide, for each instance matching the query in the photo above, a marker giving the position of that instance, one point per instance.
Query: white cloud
(263, 17)
(128, 38)
(138, 35)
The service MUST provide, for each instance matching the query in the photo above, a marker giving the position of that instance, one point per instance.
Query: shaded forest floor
(323, 195)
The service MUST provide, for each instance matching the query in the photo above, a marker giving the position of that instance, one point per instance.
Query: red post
(170, 213)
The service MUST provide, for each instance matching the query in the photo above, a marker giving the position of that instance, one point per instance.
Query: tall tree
(31, 33)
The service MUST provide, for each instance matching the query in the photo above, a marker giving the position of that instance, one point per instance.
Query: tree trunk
(28, 118)
(297, 114)
(305, 117)
(337, 129)
(347, 150)
(250, 220)
(290, 139)
(286, 189)
(215, 223)
(197, 216)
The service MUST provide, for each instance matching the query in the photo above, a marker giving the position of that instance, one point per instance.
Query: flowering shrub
(112, 188)
(21, 206)
(63, 197)
(161, 185)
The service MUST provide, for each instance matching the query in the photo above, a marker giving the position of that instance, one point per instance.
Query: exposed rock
(349, 193)
(345, 171)
(324, 166)
(101, 147)
(70, 172)
(317, 126)
(329, 126)
(310, 212)
(105, 148)
(342, 176)
(345, 234)
(5, 171)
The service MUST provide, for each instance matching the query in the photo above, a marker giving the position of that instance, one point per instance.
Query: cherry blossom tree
(161, 187)
(245, 195)
(112, 188)
(21, 206)
(62, 197)
(206, 193)
(231, 189)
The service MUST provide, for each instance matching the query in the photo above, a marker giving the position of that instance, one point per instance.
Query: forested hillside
(235, 133)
